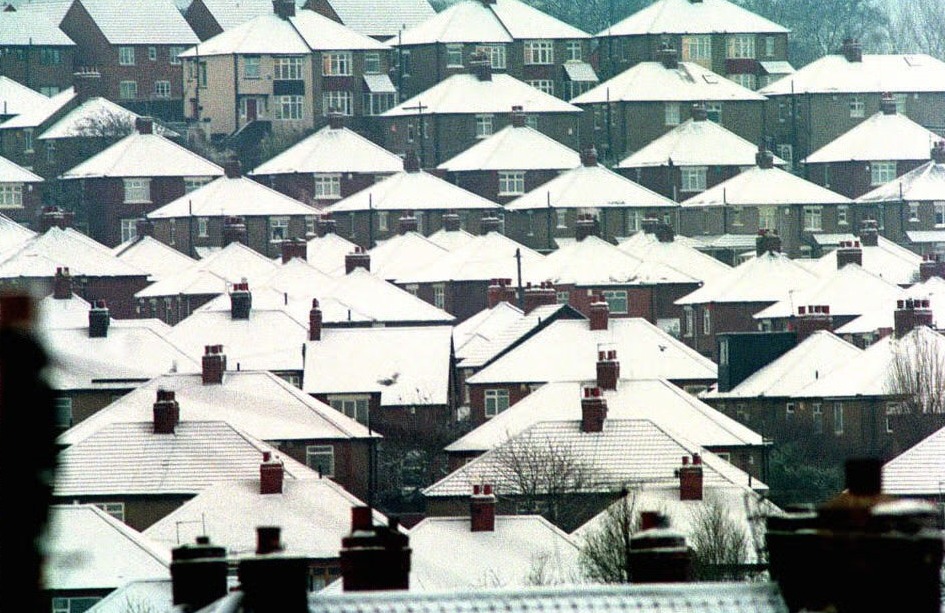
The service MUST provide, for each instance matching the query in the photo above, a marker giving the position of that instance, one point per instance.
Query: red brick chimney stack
(358, 259)
(887, 104)
(608, 369)
(812, 318)
(271, 580)
(669, 57)
(593, 410)
(144, 227)
(690, 478)
(543, 294)
(62, 284)
(482, 509)
(294, 248)
(659, 554)
(500, 290)
(489, 223)
(213, 364)
(518, 117)
(931, 266)
(849, 252)
(198, 574)
(912, 313)
(283, 8)
(599, 313)
(315, 322)
(87, 83)
(764, 159)
(99, 319)
(234, 230)
(374, 557)
(481, 66)
(649, 225)
(325, 225)
(144, 125)
(241, 300)
(271, 474)
(585, 225)
(665, 233)
(407, 223)
(451, 222)
(54, 217)
(166, 412)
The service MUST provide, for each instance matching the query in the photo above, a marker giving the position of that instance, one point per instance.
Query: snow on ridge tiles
(412, 191)
(589, 186)
(678, 254)
(41, 254)
(767, 186)
(880, 137)
(687, 17)
(766, 278)
(144, 155)
(482, 258)
(227, 196)
(834, 74)
(514, 148)
(92, 116)
(594, 261)
(332, 150)
(211, 275)
(137, 23)
(925, 183)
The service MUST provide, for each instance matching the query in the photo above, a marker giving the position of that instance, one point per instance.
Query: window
(697, 49)
(692, 178)
(706, 320)
(723, 352)
(530, 223)
(439, 296)
(496, 401)
(740, 46)
(193, 183)
(173, 52)
(600, 116)
(768, 217)
(11, 195)
(573, 51)
(278, 228)
(769, 46)
(412, 289)
(900, 102)
(126, 56)
(939, 207)
(689, 319)
(328, 186)
(383, 221)
(321, 458)
(786, 153)
(128, 90)
(49, 56)
(736, 215)
(671, 113)
(483, 126)
(913, 211)
(539, 52)
(784, 112)
(50, 90)
(617, 300)
(50, 151)
(563, 297)
(251, 67)
(28, 140)
(375, 103)
(63, 412)
(882, 172)
(634, 220)
(789, 411)
(336, 64)
(713, 111)
(511, 183)
(813, 218)
(115, 509)
(372, 63)
(339, 102)
(198, 71)
(152, 54)
(543, 85)
(138, 190)
(78, 604)
(857, 106)
(162, 89)
(741, 413)
(287, 68)
(818, 416)
(355, 408)
(838, 418)
(309, 228)
(129, 229)
(454, 56)
(287, 108)
(748, 81)
(496, 55)
(203, 227)
(561, 217)
(404, 59)
(171, 231)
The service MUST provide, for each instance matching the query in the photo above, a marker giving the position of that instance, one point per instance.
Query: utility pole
(521, 293)
(419, 107)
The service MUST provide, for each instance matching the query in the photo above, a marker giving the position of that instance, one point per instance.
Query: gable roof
(514, 148)
(594, 261)
(834, 74)
(927, 182)
(331, 150)
(484, 257)
(144, 155)
(765, 186)
(230, 13)
(880, 137)
(678, 253)
(767, 278)
(466, 94)
(419, 191)
(16, 98)
(72, 312)
(918, 471)
(95, 117)
(887, 260)
(227, 196)
(489, 343)
(401, 254)
(652, 81)
(483, 326)
(31, 28)
(451, 239)
(31, 112)
(589, 186)
(211, 275)
(14, 173)
(156, 23)
(687, 17)
(13, 234)
(160, 261)
(883, 316)
(42, 254)
(566, 350)
(381, 17)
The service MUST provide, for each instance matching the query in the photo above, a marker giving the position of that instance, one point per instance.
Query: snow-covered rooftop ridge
(594, 262)
(156, 23)
(227, 196)
(42, 254)
(31, 28)
(381, 17)
(880, 137)
(416, 191)
(589, 186)
(144, 155)
(30, 112)
(212, 274)
(922, 184)
(765, 186)
(329, 151)
(16, 98)
(514, 148)
(11, 172)
(678, 254)
(834, 74)
(687, 17)
(770, 277)
(492, 256)
(93, 118)
(918, 471)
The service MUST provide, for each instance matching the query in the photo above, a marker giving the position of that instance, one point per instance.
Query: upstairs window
(671, 113)
(287, 68)
(539, 52)
(697, 49)
(573, 51)
(693, 178)
(11, 195)
(454, 56)
(484, 126)
(251, 67)
(740, 46)
(137, 190)
(496, 54)
(496, 401)
(328, 186)
(372, 63)
(336, 64)
(126, 56)
(49, 56)
(511, 183)
(857, 106)
(813, 218)
(882, 172)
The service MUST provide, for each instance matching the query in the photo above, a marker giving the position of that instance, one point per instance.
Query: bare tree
(915, 387)
(917, 27)
(106, 125)
(718, 540)
(605, 552)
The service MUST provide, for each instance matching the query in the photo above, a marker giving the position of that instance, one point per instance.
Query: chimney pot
(213, 364)
(589, 156)
(294, 248)
(358, 259)
(451, 222)
(764, 158)
(542, 295)
(271, 475)
(699, 112)
(852, 50)
(659, 554)
(268, 540)
(584, 226)
(669, 57)
(198, 574)
(374, 557)
(87, 84)
(608, 370)
(166, 412)
(518, 117)
(489, 223)
(234, 230)
(62, 284)
(283, 8)
(411, 161)
(144, 125)
(325, 225)
(869, 233)
(690, 478)
(480, 66)
(767, 242)
(938, 152)
(887, 104)
(407, 223)
(241, 300)
(593, 410)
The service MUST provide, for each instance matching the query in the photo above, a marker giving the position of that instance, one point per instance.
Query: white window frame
(496, 53)
(618, 301)
(538, 52)
(328, 186)
(11, 195)
(692, 178)
(287, 68)
(129, 228)
(137, 190)
(561, 218)
(882, 172)
(546, 86)
(162, 89)
(376, 103)
(843, 215)
(746, 80)
(740, 46)
(126, 56)
(128, 90)
(770, 49)
(813, 218)
(383, 221)
(195, 183)
(203, 227)
(511, 183)
(454, 55)
(706, 320)
(939, 207)
(439, 295)
(697, 48)
(857, 106)
(495, 401)
(278, 228)
(690, 320)
(817, 416)
(356, 407)
(115, 509)
(336, 64)
(28, 140)
(671, 113)
(562, 296)
(173, 51)
(314, 452)
(838, 418)
(914, 212)
(372, 63)
(789, 411)
(338, 101)
(484, 125)
(69, 604)
(288, 107)
(573, 51)
(252, 67)
(768, 217)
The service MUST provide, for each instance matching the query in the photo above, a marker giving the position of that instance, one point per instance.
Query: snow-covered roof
(466, 93)
(156, 595)
(880, 137)
(156, 23)
(767, 278)
(160, 261)
(817, 356)
(508, 555)
(30, 112)
(927, 182)
(12, 234)
(489, 343)
(16, 98)
(401, 254)
(473, 21)
(886, 260)
(227, 196)
(589, 186)
(483, 327)
(230, 13)
(485, 257)
(882, 316)
(213, 274)
(71, 312)
(256, 402)
(323, 34)
(381, 18)
(88, 549)
(314, 515)
(657, 400)
(451, 239)
(514, 148)
(678, 253)
(332, 150)
(95, 117)
(628, 452)
(687, 17)
(918, 471)
(834, 74)
(594, 261)
(566, 350)
(42, 254)
(327, 253)
(765, 186)
(849, 291)
(696, 143)
(31, 28)
(53, 10)
(406, 365)
(652, 81)
(14, 173)
(144, 155)
(412, 191)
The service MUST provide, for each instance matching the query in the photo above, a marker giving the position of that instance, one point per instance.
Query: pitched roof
(918, 471)
(88, 549)
(16, 98)
(566, 350)
(72, 312)
(211, 275)
(817, 356)
(687, 17)
(53, 10)
(328, 151)
(231, 13)
(657, 400)
(412, 191)
(589, 186)
(31, 112)
(766, 186)
(156, 594)
(484, 257)
(767, 278)
(366, 360)
(128, 458)
(594, 261)
(882, 316)
(501, 21)
(652, 81)
(144, 155)
(483, 327)
(880, 137)
(381, 17)
(13, 234)
(158, 22)
(94, 117)
(488, 343)
(323, 34)
(834, 74)
(465, 93)
(14, 173)
(451, 239)
(42, 254)
(227, 196)
(886, 260)
(401, 254)
(513, 148)
(695, 143)
(927, 182)
(160, 261)
(327, 253)
(678, 253)
(31, 28)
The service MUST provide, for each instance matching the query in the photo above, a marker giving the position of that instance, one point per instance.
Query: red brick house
(20, 193)
(35, 52)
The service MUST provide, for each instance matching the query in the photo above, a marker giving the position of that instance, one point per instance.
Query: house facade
(36, 53)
